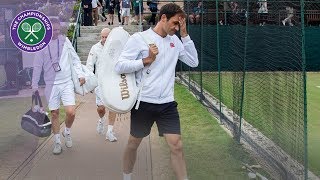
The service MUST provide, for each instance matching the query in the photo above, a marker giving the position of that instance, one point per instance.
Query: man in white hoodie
(93, 62)
(55, 62)
(154, 64)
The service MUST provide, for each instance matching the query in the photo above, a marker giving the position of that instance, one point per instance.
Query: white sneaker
(57, 149)
(100, 127)
(67, 139)
(110, 136)
(283, 22)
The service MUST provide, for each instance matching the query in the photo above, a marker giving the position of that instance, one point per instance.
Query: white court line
(318, 86)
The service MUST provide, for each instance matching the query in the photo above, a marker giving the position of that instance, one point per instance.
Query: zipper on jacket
(163, 66)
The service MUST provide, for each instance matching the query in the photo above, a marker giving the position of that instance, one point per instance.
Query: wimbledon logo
(31, 31)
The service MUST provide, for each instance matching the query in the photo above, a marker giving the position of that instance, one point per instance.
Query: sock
(110, 128)
(57, 138)
(67, 130)
(127, 176)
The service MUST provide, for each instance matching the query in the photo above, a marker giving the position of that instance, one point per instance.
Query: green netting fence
(252, 72)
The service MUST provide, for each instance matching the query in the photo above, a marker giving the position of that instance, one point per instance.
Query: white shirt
(44, 59)
(94, 3)
(159, 84)
(93, 59)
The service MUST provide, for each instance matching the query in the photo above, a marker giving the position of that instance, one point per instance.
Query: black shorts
(165, 115)
(110, 10)
(136, 10)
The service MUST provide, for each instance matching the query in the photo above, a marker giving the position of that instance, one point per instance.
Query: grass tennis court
(313, 94)
(288, 104)
(209, 151)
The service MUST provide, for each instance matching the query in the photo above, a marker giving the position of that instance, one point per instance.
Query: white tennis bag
(119, 92)
(91, 80)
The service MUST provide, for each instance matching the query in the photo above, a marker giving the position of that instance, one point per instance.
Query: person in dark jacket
(117, 7)
(87, 12)
(153, 6)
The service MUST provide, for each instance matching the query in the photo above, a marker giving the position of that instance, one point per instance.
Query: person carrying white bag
(154, 66)
(94, 64)
(54, 60)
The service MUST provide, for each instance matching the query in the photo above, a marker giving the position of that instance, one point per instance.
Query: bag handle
(37, 95)
(37, 100)
(34, 99)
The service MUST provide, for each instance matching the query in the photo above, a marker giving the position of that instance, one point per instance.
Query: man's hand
(153, 52)
(82, 81)
(183, 27)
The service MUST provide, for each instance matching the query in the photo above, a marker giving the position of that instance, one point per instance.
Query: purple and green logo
(31, 31)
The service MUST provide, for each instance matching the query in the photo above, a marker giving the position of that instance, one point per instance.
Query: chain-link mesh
(10, 58)
(252, 61)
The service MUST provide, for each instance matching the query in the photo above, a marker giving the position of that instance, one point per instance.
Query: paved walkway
(91, 157)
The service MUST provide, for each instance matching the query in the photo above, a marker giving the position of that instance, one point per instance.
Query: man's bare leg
(112, 117)
(101, 110)
(129, 156)
(57, 149)
(177, 157)
(70, 115)
(55, 121)
(110, 134)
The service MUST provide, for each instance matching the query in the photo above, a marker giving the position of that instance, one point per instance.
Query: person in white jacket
(55, 62)
(289, 16)
(158, 59)
(93, 65)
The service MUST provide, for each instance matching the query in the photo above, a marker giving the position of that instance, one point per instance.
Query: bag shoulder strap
(148, 41)
(146, 38)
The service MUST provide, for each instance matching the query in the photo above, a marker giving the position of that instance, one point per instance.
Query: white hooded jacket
(158, 86)
(93, 57)
(43, 61)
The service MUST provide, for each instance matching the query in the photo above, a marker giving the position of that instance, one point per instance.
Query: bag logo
(31, 31)
(124, 87)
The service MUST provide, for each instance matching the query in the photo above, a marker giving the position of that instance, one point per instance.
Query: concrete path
(91, 157)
